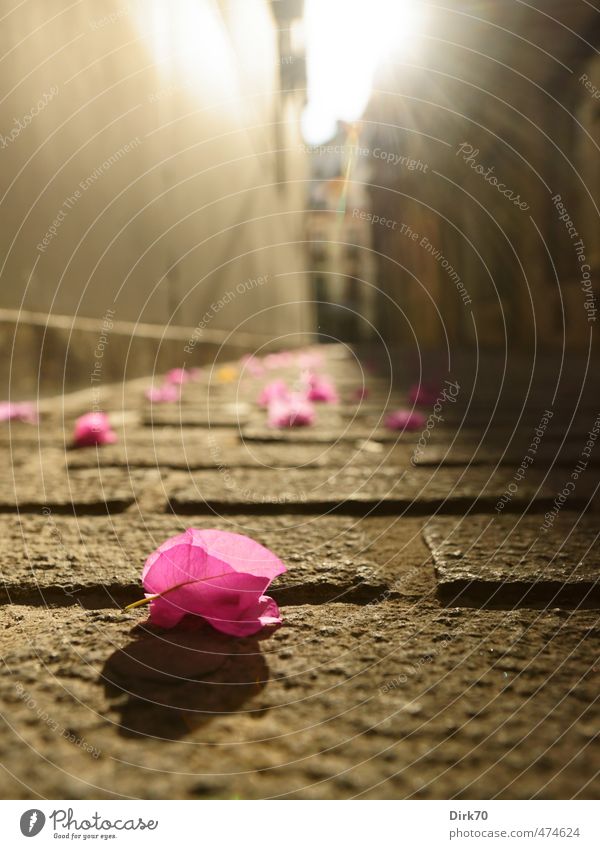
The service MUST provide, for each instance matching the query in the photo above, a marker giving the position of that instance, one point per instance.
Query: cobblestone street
(432, 645)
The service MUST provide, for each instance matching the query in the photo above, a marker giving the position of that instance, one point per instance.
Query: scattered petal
(276, 390)
(405, 420)
(320, 388)
(424, 396)
(23, 411)
(93, 429)
(217, 575)
(294, 411)
(177, 377)
(163, 394)
(252, 365)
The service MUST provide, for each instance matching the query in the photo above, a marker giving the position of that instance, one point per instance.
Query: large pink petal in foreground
(217, 575)
(405, 420)
(93, 429)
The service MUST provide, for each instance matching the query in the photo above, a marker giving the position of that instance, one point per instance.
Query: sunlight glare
(346, 40)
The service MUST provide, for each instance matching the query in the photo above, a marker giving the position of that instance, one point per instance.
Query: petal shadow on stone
(167, 683)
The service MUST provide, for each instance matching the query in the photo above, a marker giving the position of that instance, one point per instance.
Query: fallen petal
(177, 376)
(163, 394)
(93, 429)
(320, 389)
(423, 395)
(23, 411)
(295, 411)
(405, 420)
(276, 390)
(214, 574)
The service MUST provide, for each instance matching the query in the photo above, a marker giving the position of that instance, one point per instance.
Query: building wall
(146, 142)
(526, 116)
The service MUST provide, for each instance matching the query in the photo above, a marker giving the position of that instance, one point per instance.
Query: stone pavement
(434, 644)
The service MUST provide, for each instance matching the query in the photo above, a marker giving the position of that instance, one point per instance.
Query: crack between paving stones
(100, 508)
(480, 595)
(120, 595)
(441, 507)
(492, 595)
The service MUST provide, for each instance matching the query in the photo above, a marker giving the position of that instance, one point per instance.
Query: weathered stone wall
(500, 100)
(142, 174)
(41, 356)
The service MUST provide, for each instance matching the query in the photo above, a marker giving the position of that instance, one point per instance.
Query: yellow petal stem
(142, 601)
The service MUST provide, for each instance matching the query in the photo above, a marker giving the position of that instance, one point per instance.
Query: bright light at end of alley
(346, 40)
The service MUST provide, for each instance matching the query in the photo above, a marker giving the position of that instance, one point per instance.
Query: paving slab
(507, 559)
(98, 560)
(206, 455)
(442, 433)
(327, 417)
(32, 488)
(192, 448)
(175, 416)
(395, 489)
(342, 701)
(22, 457)
(323, 432)
(15, 434)
(548, 454)
(378, 684)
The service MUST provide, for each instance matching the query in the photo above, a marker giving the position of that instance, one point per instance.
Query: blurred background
(258, 175)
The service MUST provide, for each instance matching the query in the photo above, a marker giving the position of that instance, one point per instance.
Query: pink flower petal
(23, 411)
(177, 376)
(252, 365)
(270, 614)
(320, 389)
(276, 390)
(217, 575)
(405, 420)
(168, 393)
(93, 429)
(295, 411)
(423, 395)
